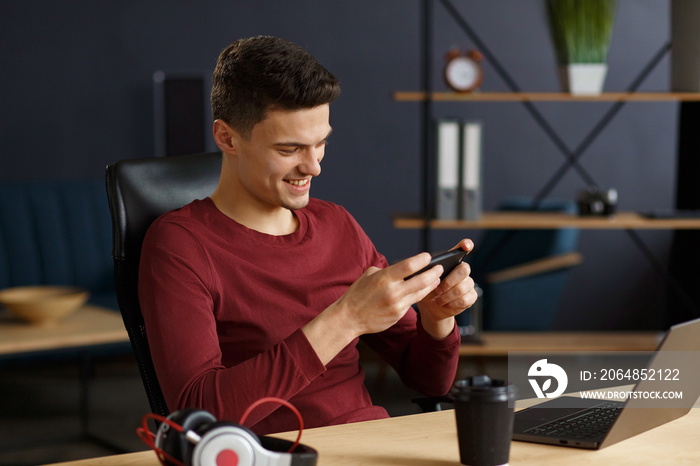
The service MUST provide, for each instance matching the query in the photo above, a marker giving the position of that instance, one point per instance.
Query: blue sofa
(59, 233)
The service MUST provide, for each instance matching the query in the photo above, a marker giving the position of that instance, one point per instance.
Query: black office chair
(139, 191)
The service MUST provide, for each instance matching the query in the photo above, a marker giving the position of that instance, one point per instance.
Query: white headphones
(193, 437)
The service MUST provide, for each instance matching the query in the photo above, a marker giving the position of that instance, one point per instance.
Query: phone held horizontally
(448, 260)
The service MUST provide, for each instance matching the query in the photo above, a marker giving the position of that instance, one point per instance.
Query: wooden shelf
(546, 220)
(419, 96)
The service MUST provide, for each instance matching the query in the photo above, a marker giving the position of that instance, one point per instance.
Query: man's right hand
(374, 302)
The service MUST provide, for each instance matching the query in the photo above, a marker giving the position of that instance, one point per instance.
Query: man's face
(282, 155)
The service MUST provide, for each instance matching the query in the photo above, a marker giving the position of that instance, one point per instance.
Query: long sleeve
(424, 363)
(176, 296)
(224, 306)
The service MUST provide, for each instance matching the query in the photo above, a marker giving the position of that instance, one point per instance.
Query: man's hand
(380, 297)
(372, 304)
(454, 294)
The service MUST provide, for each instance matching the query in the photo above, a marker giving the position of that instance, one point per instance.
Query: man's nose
(312, 161)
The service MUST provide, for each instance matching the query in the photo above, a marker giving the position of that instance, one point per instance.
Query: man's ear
(224, 136)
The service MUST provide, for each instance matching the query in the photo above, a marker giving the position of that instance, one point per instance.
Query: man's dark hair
(264, 73)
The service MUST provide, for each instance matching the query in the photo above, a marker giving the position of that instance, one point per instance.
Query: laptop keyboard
(585, 425)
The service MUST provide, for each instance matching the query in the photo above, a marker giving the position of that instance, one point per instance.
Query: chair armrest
(535, 267)
(429, 404)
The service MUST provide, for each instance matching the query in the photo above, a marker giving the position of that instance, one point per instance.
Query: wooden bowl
(43, 305)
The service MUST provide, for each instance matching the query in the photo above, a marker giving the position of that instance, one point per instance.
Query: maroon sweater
(224, 306)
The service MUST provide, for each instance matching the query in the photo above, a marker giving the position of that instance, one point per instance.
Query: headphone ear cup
(227, 443)
(175, 443)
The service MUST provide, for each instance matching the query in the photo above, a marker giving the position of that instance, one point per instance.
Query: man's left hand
(452, 296)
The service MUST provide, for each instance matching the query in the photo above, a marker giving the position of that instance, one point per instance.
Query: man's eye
(289, 150)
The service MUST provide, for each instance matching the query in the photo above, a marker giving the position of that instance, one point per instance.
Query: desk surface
(500, 343)
(431, 439)
(90, 325)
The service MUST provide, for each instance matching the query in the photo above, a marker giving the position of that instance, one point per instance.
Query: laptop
(594, 424)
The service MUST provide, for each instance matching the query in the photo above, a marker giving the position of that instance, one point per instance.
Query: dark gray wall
(76, 94)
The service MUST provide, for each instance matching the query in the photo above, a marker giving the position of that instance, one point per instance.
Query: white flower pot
(583, 78)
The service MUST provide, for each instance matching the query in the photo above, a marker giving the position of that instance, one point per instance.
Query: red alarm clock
(463, 71)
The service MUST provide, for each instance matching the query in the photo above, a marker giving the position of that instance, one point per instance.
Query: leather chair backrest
(139, 191)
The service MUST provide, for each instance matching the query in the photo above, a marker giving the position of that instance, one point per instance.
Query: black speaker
(684, 300)
(685, 46)
(181, 113)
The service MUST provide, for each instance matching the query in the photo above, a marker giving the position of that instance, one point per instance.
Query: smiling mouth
(303, 182)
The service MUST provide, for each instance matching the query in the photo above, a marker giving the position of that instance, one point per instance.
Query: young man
(260, 290)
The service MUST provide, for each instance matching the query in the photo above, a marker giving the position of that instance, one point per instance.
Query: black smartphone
(448, 260)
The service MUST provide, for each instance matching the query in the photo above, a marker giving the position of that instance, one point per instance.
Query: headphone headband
(193, 437)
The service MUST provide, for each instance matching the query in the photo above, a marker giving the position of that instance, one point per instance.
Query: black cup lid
(482, 388)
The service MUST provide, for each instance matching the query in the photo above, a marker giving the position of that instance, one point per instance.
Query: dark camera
(593, 201)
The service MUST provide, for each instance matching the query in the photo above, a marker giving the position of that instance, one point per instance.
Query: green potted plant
(581, 32)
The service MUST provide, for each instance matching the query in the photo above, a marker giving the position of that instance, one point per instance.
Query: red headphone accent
(225, 456)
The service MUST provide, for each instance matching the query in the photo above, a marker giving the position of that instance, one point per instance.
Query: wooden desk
(431, 439)
(90, 325)
(500, 343)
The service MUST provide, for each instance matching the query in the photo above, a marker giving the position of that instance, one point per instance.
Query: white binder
(448, 159)
(470, 204)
